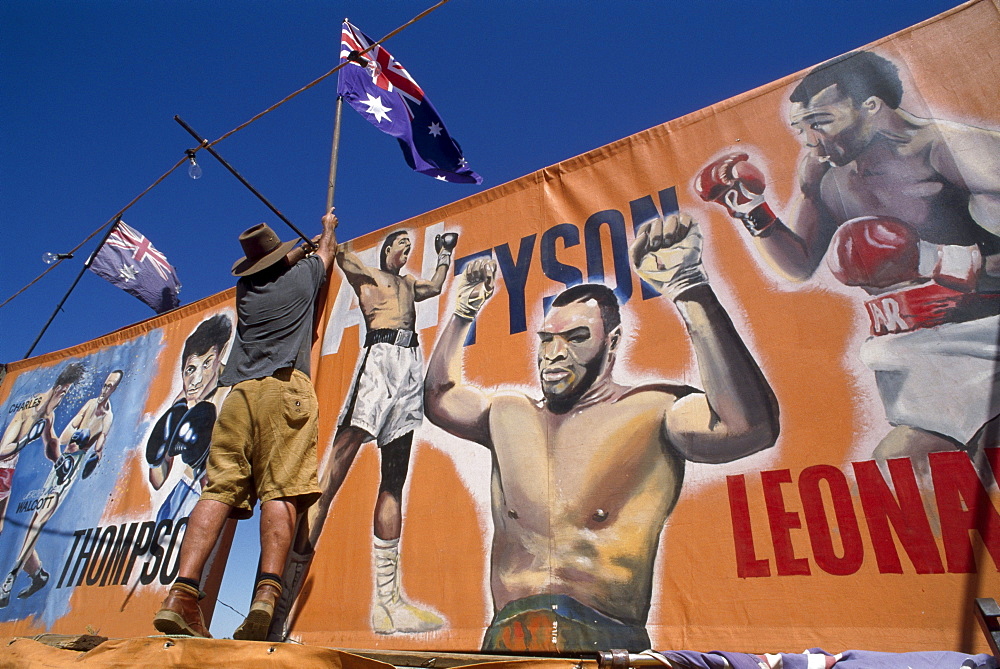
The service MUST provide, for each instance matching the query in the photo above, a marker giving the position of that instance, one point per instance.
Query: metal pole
(83, 269)
(205, 145)
(333, 153)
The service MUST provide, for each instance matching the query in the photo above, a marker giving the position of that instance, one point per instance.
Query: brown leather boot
(181, 614)
(258, 621)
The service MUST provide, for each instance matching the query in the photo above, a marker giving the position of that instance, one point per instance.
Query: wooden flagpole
(333, 153)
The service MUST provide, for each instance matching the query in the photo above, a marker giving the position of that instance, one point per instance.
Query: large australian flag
(130, 261)
(382, 91)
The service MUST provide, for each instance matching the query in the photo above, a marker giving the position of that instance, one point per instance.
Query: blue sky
(90, 90)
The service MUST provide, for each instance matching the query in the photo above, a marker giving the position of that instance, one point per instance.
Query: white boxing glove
(667, 254)
(476, 285)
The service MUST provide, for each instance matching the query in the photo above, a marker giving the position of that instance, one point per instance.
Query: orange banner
(730, 383)
(816, 474)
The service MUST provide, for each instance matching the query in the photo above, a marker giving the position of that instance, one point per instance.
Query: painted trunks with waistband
(559, 623)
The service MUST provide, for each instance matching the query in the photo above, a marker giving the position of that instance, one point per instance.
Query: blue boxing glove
(80, 438)
(90, 464)
(64, 468)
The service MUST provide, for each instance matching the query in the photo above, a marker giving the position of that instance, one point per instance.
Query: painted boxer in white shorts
(385, 404)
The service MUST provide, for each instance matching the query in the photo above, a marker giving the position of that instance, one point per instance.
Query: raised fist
(447, 241)
(444, 245)
(736, 184)
(667, 254)
(476, 286)
(881, 251)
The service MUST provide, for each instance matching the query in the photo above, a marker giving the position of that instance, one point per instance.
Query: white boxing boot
(391, 613)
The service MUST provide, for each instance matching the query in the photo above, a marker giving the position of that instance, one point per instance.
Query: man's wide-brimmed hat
(262, 248)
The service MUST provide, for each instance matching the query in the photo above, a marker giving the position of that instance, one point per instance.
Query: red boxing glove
(881, 251)
(736, 184)
(875, 252)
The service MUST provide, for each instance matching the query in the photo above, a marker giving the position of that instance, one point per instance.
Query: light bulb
(194, 169)
(49, 257)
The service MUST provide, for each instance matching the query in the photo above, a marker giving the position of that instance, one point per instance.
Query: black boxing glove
(163, 432)
(444, 245)
(193, 437)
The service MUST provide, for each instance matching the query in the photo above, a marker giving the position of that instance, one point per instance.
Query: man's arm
(158, 473)
(328, 240)
(9, 444)
(423, 289)
(794, 249)
(444, 245)
(73, 425)
(70, 431)
(53, 444)
(324, 244)
(449, 402)
(738, 413)
(109, 419)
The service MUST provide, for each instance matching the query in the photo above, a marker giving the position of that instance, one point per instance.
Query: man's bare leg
(203, 530)
(333, 470)
(916, 444)
(988, 436)
(391, 612)
(277, 527)
(395, 463)
(180, 613)
(27, 559)
(35, 525)
(32, 564)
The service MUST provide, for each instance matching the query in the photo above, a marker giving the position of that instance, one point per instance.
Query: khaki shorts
(264, 443)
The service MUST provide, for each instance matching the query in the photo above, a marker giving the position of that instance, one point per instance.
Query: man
(87, 430)
(585, 477)
(263, 445)
(385, 404)
(909, 209)
(185, 429)
(35, 421)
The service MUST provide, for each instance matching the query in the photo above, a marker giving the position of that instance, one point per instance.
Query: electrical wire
(213, 143)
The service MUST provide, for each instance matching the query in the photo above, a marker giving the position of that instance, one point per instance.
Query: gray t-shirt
(275, 310)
